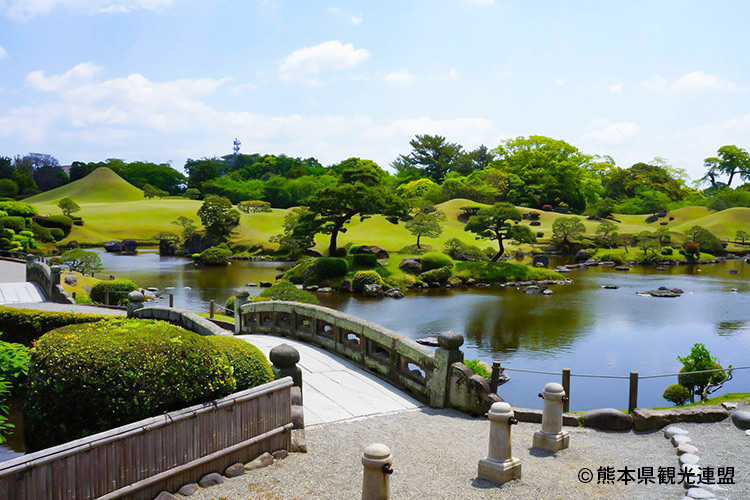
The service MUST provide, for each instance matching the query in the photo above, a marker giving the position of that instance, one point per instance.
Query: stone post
(447, 353)
(54, 273)
(30, 259)
(551, 436)
(285, 358)
(500, 466)
(135, 302)
(242, 294)
(376, 479)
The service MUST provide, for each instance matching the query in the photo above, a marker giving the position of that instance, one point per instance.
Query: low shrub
(362, 278)
(5, 244)
(440, 275)
(41, 233)
(365, 259)
(353, 248)
(539, 234)
(56, 221)
(414, 250)
(610, 257)
(251, 367)
(435, 260)
(17, 224)
(329, 267)
(477, 368)
(667, 250)
(18, 208)
(14, 363)
(8, 234)
(215, 256)
(340, 252)
(57, 233)
(229, 306)
(89, 378)
(287, 291)
(118, 291)
(55, 261)
(26, 234)
(692, 251)
(677, 394)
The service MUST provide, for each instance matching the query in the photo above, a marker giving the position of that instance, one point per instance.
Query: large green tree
(567, 230)
(731, 161)
(299, 229)
(543, 171)
(621, 183)
(495, 223)
(431, 156)
(219, 217)
(424, 224)
(360, 192)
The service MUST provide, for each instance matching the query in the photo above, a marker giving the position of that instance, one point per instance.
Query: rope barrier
(539, 372)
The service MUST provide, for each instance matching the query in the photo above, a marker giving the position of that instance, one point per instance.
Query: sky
(167, 80)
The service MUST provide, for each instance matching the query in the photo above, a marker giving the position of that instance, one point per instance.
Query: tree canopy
(219, 217)
(494, 223)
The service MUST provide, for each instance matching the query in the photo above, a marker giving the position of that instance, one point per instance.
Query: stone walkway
(334, 389)
(20, 293)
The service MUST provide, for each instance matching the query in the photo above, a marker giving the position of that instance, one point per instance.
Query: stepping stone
(687, 448)
(689, 459)
(671, 432)
(211, 479)
(679, 439)
(741, 419)
(188, 489)
(699, 493)
(747, 432)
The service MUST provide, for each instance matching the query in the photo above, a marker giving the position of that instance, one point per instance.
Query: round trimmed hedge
(435, 260)
(251, 367)
(91, 377)
(17, 224)
(329, 267)
(118, 291)
(677, 394)
(363, 278)
(287, 291)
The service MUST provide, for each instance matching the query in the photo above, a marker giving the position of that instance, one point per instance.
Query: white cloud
(356, 20)
(401, 77)
(87, 116)
(611, 134)
(482, 3)
(22, 10)
(245, 87)
(3, 53)
(696, 82)
(615, 88)
(453, 74)
(308, 63)
(559, 83)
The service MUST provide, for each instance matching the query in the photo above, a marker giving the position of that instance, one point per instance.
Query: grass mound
(100, 186)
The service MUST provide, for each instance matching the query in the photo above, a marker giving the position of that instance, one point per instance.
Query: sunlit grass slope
(100, 186)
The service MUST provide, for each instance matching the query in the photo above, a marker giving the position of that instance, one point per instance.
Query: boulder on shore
(645, 419)
(608, 419)
(128, 245)
(411, 265)
(112, 246)
(380, 252)
(167, 247)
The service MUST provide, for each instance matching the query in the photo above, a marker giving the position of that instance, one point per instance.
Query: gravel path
(436, 452)
(12, 272)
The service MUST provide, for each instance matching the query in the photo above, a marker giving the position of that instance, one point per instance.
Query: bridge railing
(418, 370)
(48, 279)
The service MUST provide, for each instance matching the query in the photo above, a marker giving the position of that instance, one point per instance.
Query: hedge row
(24, 326)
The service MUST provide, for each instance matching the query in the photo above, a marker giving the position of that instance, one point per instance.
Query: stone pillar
(376, 479)
(500, 466)
(242, 294)
(135, 302)
(448, 352)
(54, 273)
(30, 259)
(285, 358)
(551, 436)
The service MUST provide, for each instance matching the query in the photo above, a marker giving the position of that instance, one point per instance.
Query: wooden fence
(139, 460)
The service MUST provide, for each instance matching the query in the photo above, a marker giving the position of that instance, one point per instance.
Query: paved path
(19, 293)
(77, 308)
(335, 389)
(12, 272)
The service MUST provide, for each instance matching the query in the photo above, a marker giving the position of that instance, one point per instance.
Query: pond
(582, 326)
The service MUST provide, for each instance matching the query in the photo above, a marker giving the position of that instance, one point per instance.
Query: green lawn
(735, 397)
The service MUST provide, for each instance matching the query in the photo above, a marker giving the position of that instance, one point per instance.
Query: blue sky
(164, 80)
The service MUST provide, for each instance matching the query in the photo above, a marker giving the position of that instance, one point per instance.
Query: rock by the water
(128, 245)
(373, 290)
(610, 287)
(660, 268)
(429, 341)
(395, 293)
(71, 280)
(733, 271)
(540, 261)
(622, 268)
(607, 419)
(235, 470)
(663, 292)
(188, 489)
(265, 284)
(741, 419)
(411, 265)
(671, 431)
(547, 291)
(112, 246)
(747, 432)
(346, 286)
(728, 405)
(380, 252)
(167, 247)
(582, 256)
(533, 289)
(211, 479)
(312, 288)
(252, 285)
(264, 460)
(325, 289)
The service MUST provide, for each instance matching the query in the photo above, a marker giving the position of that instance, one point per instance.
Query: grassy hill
(113, 209)
(100, 186)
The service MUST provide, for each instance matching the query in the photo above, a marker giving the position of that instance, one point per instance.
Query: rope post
(211, 308)
(495, 380)
(106, 297)
(171, 300)
(633, 400)
(566, 388)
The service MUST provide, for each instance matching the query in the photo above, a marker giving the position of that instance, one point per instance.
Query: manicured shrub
(667, 250)
(88, 378)
(55, 261)
(692, 250)
(353, 248)
(18, 208)
(454, 247)
(547, 208)
(677, 394)
(477, 368)
(329, 267)
(17, 224)
(57, 221)
(215, 256)
(539, 234)
(26, 325)
(440, 275)
(118, 291)
(5, 244)
(435, 260)
(362, 278)
(365, 259)
(26, 234)
(8, 234)
(57, 233)
(287, 291)
(340, 252)
(610, 257)
(41, 233)
(251, 367)
(229, 306)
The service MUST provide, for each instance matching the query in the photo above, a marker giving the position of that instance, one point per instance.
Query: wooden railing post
(633, 399)
(495, 379)
(566, 388)
(171, 300)
(211, 309)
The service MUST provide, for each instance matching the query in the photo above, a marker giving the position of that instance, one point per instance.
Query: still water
(581, 326)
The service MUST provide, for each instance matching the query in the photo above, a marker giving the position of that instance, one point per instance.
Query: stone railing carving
(185, 319)
(420, 371)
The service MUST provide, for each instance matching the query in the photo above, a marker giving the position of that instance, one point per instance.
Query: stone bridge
(436, 377)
